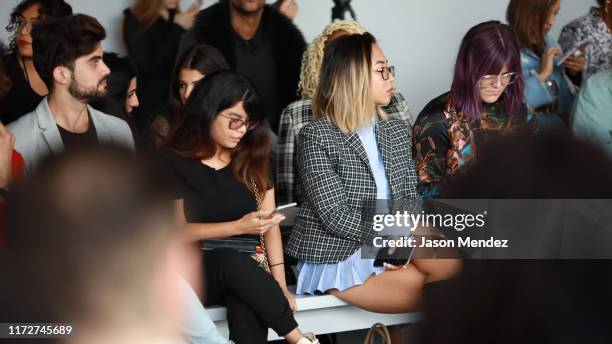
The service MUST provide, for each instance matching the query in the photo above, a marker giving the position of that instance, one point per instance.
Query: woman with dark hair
(27, 89)
(121, 98)
(351, 155)
(219, 149)
(596, 29)
(485, 99)
(192, 66)
(151, 31)
(548, 95)
(121, 87)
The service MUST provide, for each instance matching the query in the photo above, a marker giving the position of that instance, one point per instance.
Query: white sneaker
(308, 339)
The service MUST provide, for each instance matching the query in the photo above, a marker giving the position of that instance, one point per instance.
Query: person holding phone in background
(596, 28)
(548, 92)
(219, 151)
(152, 31)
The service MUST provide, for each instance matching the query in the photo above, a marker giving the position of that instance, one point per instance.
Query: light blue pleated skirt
(319, 278)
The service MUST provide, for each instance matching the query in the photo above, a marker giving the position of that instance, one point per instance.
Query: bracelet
(283, 263)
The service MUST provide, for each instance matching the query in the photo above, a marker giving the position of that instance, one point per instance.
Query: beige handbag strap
(378, 329)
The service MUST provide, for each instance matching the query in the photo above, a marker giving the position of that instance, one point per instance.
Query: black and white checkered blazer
(295, 116)
(337, 180)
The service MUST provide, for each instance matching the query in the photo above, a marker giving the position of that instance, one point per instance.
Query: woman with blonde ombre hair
(299, 113)
(351, 155)
(151, 32)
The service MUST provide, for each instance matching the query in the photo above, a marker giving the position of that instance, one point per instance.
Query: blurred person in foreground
(103, 257)
(530, 301)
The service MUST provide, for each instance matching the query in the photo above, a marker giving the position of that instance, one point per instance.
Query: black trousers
(253, 298)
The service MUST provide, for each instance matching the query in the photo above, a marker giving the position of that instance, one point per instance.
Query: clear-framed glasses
(236, 123)
(385, 72)
(505, 79)
(23, 23)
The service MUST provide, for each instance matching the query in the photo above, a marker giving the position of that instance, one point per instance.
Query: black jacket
(153, 51)
(213, 26)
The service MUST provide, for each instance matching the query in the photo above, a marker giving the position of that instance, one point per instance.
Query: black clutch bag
(245, 245)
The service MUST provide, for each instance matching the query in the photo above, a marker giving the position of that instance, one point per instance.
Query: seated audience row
(347, 142)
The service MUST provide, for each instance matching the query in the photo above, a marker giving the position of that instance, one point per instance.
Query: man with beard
(68, 57)
(257, 41)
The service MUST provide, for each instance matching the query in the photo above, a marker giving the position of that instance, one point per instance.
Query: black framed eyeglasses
(505, 79)
(236, 123)
(385, 72)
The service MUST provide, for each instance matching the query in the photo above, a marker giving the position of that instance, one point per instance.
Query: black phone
(396, 256)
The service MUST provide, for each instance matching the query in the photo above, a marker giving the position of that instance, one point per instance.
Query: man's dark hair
(59, 42)
(48, 9)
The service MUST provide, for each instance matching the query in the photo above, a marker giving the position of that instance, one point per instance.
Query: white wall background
(420, 37)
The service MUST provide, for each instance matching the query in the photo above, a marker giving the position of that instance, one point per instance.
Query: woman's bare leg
(396, 291)
(438, 269)
(399, 291)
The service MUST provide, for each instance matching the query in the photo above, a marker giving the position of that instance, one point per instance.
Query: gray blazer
(37, 135)
(337, 181)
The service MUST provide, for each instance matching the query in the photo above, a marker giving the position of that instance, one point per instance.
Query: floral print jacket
(445, 141)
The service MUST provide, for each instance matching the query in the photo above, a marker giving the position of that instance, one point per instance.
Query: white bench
(325, 314)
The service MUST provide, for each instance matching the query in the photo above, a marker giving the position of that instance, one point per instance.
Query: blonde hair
(313, 56)
(344, 95)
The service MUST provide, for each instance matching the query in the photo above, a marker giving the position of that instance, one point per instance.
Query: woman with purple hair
(485, 100)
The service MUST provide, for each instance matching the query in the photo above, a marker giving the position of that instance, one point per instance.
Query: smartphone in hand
(286, 210)
(575, 52)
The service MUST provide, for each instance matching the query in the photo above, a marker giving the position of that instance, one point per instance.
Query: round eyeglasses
(385, 72)
(236, 123)
(505, 79)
